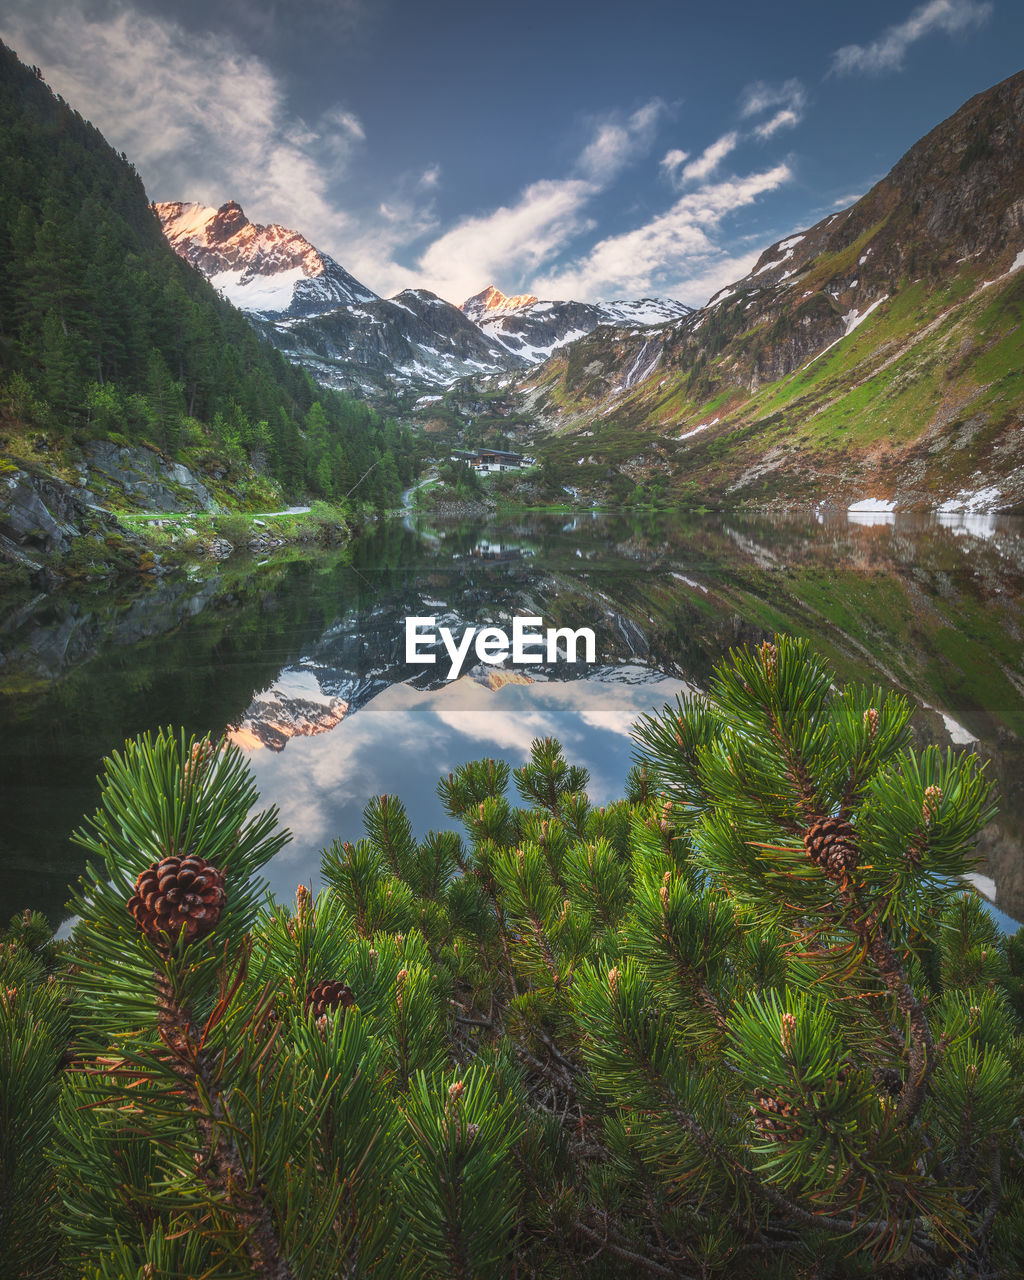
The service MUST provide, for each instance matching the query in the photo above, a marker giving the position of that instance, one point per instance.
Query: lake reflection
(406, 738)
(302, 662)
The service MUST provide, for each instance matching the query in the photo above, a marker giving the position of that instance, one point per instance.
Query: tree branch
(222, 1169)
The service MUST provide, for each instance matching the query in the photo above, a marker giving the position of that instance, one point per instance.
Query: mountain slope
(415, 339)
(267, 270)
(109, 337)
(877, 354)
(532, 329)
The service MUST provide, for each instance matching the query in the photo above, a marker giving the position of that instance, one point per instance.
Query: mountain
(492, 302)
(321, 317)
(532, 329)
(414, 339)
(127, 380)
(876, 356)
(267, 270)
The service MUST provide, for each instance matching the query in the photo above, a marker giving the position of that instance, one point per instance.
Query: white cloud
(674, 253)
(507, 241)
(615, 145)
(709, 159)
(762, 96)
(887, 52)
(786, 101)
(201, 118)
(516, 239)
(346, 122)
(429, 178)
(784, 119)
(371, 253)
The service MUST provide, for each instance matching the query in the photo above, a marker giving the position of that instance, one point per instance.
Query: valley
(875, 356)
(347, 355)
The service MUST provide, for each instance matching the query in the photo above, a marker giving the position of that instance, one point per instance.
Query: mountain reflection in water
(302, 662)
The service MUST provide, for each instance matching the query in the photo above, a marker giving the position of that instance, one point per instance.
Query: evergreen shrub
(749, 1021)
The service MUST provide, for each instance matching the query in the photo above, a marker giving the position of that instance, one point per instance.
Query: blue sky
(586, 150)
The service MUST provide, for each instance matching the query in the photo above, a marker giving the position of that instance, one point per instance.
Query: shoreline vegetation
(747, 1021)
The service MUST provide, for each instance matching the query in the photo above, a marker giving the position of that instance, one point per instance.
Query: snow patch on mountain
(263, 294)
(534, 329)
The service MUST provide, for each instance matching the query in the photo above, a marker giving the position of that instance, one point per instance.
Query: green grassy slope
(777, 395)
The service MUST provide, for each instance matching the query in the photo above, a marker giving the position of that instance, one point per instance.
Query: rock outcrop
(145, 477)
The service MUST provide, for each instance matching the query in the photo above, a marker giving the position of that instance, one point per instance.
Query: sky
(570, 149)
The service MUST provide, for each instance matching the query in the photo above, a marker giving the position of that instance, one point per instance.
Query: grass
(184, 535)
(934, 375)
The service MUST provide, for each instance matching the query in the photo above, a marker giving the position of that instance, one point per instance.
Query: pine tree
(34, 1029)
(748, 1022)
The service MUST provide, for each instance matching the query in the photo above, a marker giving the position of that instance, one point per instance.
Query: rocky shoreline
(53, 531)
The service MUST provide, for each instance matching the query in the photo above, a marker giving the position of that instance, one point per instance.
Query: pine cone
(177, 893)
(774, 1118)
(324, 997)
(830, 844)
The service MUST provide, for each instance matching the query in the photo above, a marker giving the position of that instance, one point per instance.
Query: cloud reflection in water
(404, 739)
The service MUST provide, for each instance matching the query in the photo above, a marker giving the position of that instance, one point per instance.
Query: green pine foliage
(34, 1030)
(106, 333)
(749, 1022)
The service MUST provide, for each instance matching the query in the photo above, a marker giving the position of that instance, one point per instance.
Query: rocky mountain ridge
(324, 319)
(269, 271)
(533, 328)
(414, 339)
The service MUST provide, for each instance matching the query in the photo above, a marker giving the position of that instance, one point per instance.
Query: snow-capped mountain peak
(492, 301)
(323, 318)
(270, 271)
(532, 329)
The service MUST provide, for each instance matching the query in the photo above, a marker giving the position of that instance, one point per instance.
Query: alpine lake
(301, 662)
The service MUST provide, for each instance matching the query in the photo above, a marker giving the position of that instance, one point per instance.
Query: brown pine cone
(177, 893)
(324, 997)
(773, 1118)
(831, 845)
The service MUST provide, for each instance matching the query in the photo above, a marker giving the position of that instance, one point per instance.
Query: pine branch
(922, 1053)
(220, 1166)
(607, 1245)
